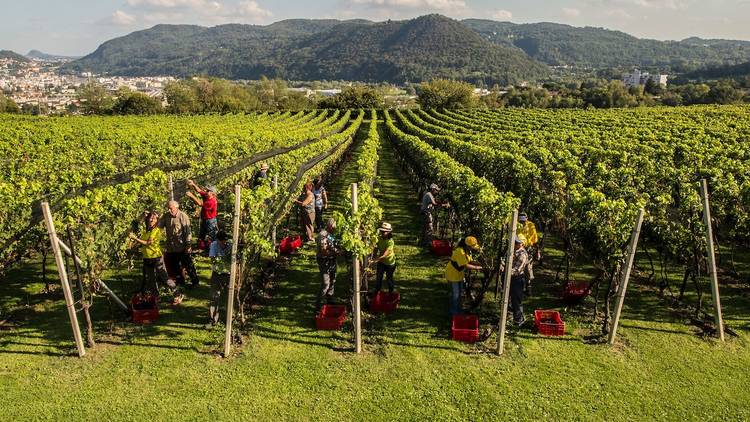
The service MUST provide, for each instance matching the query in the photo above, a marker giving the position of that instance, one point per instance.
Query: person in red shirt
(208, 203)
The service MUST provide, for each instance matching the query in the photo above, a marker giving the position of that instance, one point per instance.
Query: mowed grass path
(410, 369)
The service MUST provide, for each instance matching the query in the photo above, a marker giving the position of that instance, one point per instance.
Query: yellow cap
(472, 242)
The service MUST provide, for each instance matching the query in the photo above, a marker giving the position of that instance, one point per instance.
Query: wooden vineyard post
(171, 188)
(626, 275)
(506, 283)
(63, 278)
(719, 321)
(357, 310)
(273, 230)
(232, 271)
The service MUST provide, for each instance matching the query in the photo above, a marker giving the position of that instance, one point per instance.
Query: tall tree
(94, 98)
(446, 93)
(129, 102)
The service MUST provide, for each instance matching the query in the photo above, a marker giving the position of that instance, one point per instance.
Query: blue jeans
(456, 290)
(387, 271)
(208, 228)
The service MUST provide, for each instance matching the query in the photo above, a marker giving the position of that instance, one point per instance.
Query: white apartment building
(637, 78)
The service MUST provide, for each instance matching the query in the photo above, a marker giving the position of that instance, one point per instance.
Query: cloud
(199, 11)
(618, 13)
(164, 17)
(121, 18)
(174, 4)
(570, 12)
(444, 5)
(250, 10)
(658, 4)
(503, 15)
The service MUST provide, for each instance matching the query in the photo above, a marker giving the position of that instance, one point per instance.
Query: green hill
(557, 44)
(395, 51)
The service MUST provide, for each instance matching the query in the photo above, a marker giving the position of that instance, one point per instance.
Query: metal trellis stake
(357, 310)
(719, 321)
(233, 270)
(506, 283)
(63, 278)
(632, 248)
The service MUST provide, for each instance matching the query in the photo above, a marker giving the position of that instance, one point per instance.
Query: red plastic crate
(330, 317)
(145, 309)
(385, 302)
(549, 323)
(465, 328)
(441, 247)
(576, 290)
(290, 244)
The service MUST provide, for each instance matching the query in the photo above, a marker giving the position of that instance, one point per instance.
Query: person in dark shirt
(261, 175)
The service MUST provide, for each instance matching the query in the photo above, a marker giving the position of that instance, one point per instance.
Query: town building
(638, 78)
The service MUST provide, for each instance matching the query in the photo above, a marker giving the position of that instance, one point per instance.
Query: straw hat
(385, 227)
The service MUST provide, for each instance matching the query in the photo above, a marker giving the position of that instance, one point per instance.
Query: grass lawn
(410, 369)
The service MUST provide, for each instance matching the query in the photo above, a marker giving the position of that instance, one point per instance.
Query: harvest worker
(261, 175)
(461, 261)
(386, 257)
(220, 254)
(527, 233)
(321, 202)
(208, 203)
(518, 281)
(153, 262)
(326, 258)
(177, 227)
(306, 202)
(428, 206)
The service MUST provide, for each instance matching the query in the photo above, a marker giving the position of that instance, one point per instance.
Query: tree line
(214, 95)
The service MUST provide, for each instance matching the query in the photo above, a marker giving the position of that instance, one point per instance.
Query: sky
(78, 27)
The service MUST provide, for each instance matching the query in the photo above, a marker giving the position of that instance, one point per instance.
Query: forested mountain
(557, 44)
(396, 51)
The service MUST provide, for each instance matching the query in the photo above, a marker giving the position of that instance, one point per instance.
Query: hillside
(557, 44)
(423, 48)
(7, 54)
(36, 54)
(395, 51)
(741, 70)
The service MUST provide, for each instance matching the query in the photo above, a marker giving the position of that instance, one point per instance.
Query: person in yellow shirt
(460, 261)
(527, 232)
(153, 261)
